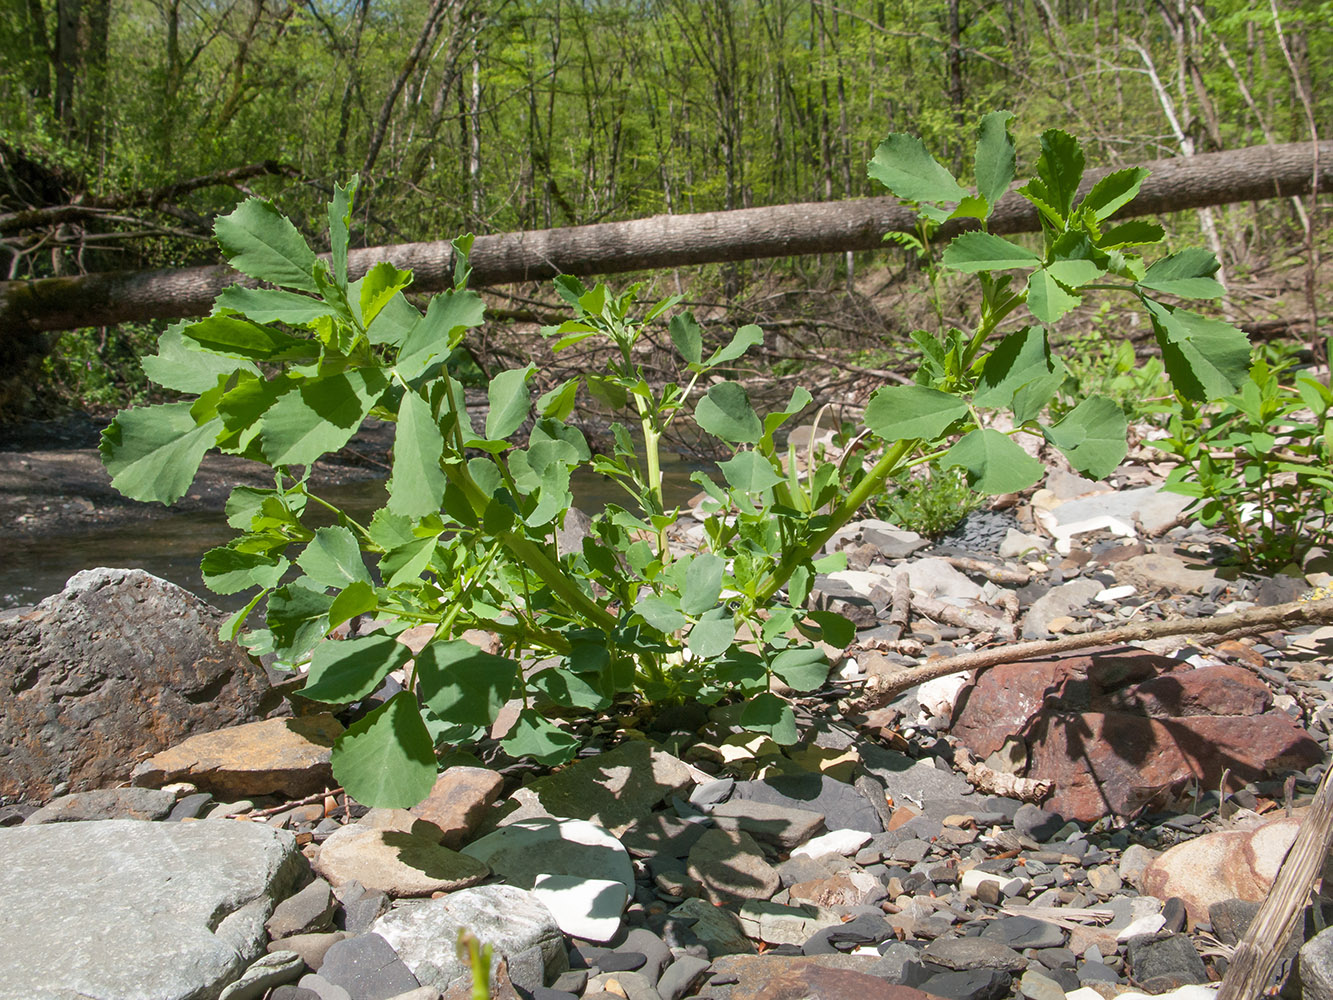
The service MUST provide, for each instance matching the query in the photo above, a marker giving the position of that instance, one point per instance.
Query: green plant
(1259, 465)
(932, 504)
(1100, 365)
(466, 539)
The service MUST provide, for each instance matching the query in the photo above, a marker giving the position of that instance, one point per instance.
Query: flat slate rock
(121, 908)
(842, 806)
(106, 803)
(907, 779)
(826, 977)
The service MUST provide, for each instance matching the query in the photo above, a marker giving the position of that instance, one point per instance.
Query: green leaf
(418, 481)
(900, 412)
(568, 689)
(229, 570)
(463, 684)
(711, 637)
(800, 399)
(356, 599)
(836, 630)
(768, 714)
(1060, 169)
(688, 337)
(1047, 298)
(333, 558)
(750, 472)
(340, 221)
(271, 305)
(241, 338)
(394, 323)
(510, 402)
(743, 339)
(184, 367)
(976, 251)
(407, 561)
(1092, 436)
(387, 759)
(703, 583)
(1188, 274)
(535, 738)
(801, 669)
(1114, 191)
(1205, 359)
(447, 318)
(227, 630)
(153, 452)
(725, 412)
(903, 165)
(1020, 359)
(262, 243)
(319, 417)
(298, 617)
(1134, 233)
(346, 671)
(995, 156)
(558, 403)
(1075, 261)
(380, 287)
(659, 612)
(994, 463)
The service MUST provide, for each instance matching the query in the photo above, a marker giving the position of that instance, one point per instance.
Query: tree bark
(663, 241)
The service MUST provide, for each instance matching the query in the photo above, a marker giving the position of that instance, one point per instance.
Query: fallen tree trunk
(1254, 173)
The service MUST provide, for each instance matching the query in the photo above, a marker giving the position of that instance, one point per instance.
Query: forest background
(486, 117)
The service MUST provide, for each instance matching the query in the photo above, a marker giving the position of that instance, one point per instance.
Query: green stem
(889, 463)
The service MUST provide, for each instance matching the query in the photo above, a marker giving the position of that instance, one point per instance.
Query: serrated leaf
(802, 669)
(185, 367)
(1047, 298)
(687, 337)
(1092, 436)
(153, 452)
(1134, 233)
(387, 759)
(320, 416)
(711, 637)
(768, 714)
(1188, 274)
(1019, 359)
(348, 670)
(272, 305)
(703, 583)
(1060, 168)
(462, 683)
(537, 739)
(418, 480)
(261, 242)
(741, 341)
(340, 219)
(749, 472)
(381, 286)
(1205, 359)
(903, 165)
(1075, 261)
(899, 412)
(995, 156)
(229, 570)
(660, 613)
(448, 317)
(227, 630)
(976, 251)
(725, 412)
(1114, 191)
(510, 402)
(237, 337)
(994, 463)
(333, 558)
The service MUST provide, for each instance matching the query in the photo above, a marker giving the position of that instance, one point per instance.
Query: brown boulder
(1222, 689)
(821, 977)
(458, 802)
(118, 665)
(1118, 763)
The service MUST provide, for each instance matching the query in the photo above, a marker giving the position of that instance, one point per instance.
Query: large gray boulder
(118, 665)
(127, 910)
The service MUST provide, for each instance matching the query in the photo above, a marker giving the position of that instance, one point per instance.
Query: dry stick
(1252, 963)
(1247, 622)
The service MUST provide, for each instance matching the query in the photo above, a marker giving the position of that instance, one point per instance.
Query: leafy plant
(1259, 466)
(930, 505)
(467, 537)
(1100, 365)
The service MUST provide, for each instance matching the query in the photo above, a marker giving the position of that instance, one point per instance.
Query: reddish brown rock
(276, 756)
(849, 888)
(823, 977)
(1232, 864)
(458, 802)
(118, 665)
(1222, 689)
(1006, 700)
(1117, 763)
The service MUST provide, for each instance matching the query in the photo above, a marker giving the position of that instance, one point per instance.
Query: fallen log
(99, 299)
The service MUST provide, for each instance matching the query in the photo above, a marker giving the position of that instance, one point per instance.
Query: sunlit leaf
(899, 412)
(768, 714)
(994, 463)
(153, 452)
(387, 759)
(348, 670)
(261, 242)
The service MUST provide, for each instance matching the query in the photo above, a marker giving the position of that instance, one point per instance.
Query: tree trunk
(1175, 185)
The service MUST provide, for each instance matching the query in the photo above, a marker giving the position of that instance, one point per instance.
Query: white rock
(938, 696)
(1115, 593)
(1150, 924)
(1010, 885)
(849, 670)
(844, 842)
(1017, 543)
(524, 851)
(587, 908)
